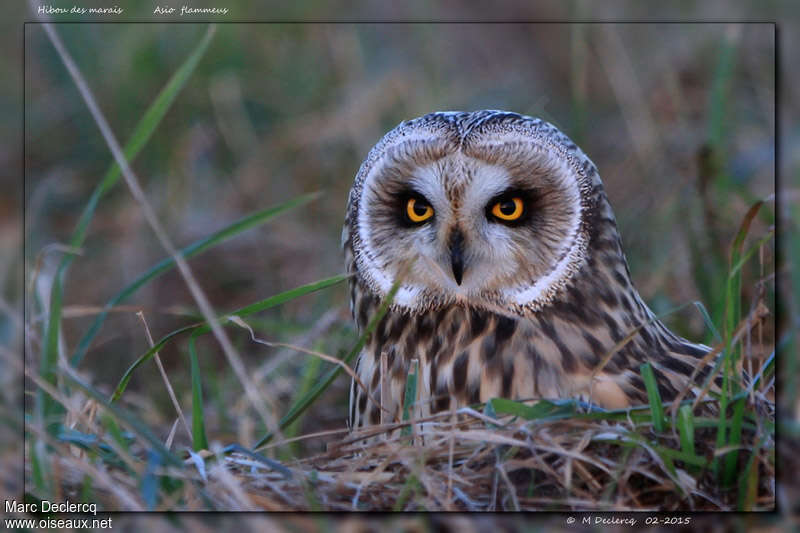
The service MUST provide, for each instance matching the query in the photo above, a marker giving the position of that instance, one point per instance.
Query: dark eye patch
(400, 203)
(505, 199)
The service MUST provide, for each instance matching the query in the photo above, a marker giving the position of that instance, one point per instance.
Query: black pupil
(420, 208)
(507, 207)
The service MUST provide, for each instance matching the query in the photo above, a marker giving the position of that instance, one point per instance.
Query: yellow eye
(510, 209)
(418, 210)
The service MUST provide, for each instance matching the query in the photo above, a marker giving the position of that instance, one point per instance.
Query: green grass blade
(299, 407)
(199, 439)
(736, 268)
(541, 409)
(39, 470)
(202, 328)
(311, 370)
(158, 109)
(730, 383)
(707, 319)
(410, 397)
(734, 439)
(748, 486)
(666, 454)
(126, 377)
(284, 297)
(686, 429)
(748, 481)
(241, 225)
(722, 425)
(49, 408)
(734, 281)
(86, 493)
(141, 134)
(656, 409)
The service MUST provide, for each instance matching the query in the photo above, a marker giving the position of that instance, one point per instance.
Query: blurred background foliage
(679, 119)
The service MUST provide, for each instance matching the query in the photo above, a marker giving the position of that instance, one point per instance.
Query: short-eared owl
(517, 285)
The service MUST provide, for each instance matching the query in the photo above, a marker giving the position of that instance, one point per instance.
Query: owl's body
(513, 279)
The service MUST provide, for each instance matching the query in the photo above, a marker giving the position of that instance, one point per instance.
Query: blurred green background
(678, 118)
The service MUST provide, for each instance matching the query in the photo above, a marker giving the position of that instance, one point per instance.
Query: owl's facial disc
(495, 223)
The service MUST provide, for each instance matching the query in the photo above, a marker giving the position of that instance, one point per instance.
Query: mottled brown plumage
(523, 308)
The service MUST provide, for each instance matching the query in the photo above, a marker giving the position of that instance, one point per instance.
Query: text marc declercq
(45, 506)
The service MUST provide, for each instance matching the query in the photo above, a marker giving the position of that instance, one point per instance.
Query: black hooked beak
(457, 254)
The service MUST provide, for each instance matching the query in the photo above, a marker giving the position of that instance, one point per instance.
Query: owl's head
(489, 208)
